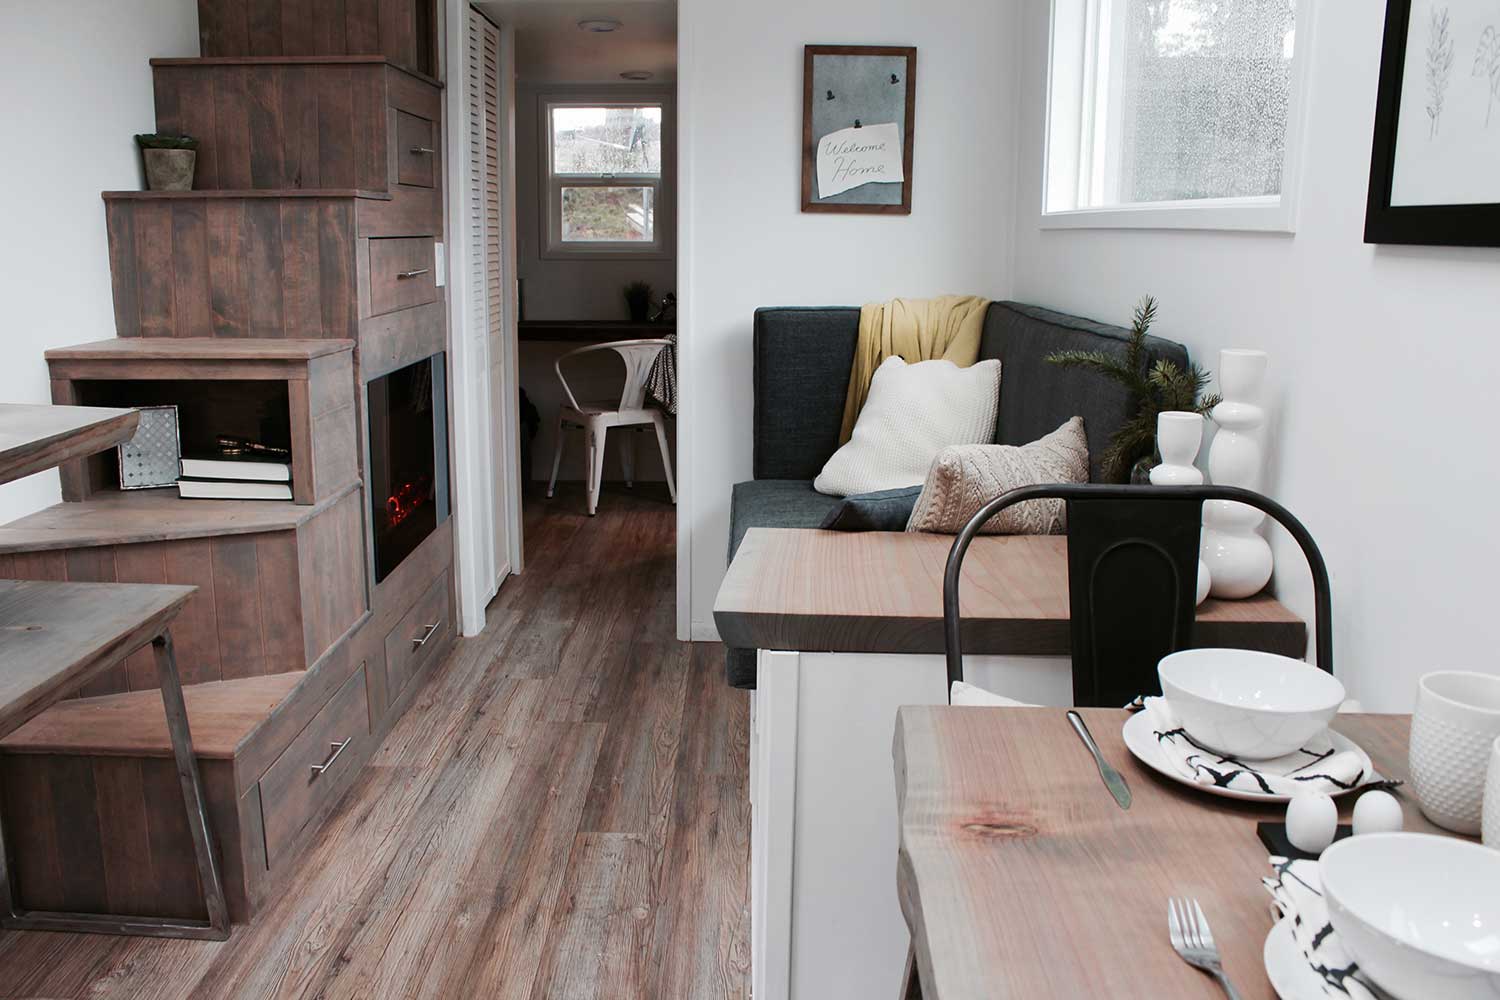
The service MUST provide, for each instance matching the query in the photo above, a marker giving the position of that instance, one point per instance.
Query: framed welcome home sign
(858, 111)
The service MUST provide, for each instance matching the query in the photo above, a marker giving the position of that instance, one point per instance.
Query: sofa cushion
(802, 363)
(1039, 396)
(883, 510)
(912, 413)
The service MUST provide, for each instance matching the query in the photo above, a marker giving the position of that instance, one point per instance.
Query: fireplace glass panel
(408, 460)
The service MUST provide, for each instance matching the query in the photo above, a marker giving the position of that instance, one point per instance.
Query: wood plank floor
(563, 813)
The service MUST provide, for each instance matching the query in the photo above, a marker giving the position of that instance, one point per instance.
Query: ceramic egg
(1312, 820)
(1378, 812)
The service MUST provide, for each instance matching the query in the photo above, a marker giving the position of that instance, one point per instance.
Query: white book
(225, 489)
(236, 468)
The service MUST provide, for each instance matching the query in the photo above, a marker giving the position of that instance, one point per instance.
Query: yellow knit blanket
(947, 328)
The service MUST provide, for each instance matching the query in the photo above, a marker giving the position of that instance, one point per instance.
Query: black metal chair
(1132, 580)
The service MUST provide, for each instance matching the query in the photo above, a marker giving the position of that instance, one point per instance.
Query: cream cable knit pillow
(963, 479)
(911, 414)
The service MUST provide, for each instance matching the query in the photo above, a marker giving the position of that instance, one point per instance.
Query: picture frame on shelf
(1435, 163)
(858, 123)
(150, 459)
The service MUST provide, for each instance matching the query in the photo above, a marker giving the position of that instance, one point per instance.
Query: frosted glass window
(1168, 101)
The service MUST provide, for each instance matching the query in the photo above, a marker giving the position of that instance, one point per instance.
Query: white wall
(1382, 370)
(78, 88)
(745, 243)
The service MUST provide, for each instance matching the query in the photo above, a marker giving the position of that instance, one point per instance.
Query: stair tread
(116, 517)
(202, 349)
(226, 193)
(222, 716)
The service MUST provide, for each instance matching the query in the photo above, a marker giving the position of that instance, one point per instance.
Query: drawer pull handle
(419, 643)
(416, 272)
(337, 748)
(422, 149)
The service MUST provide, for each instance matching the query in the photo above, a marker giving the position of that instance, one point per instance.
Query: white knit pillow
(912, 413)
(964, 479)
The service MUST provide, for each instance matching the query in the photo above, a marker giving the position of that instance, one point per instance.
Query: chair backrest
(638, 355)
(1132, 580)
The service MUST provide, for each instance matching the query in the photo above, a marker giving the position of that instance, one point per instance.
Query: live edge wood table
(849, 628)
(1021, 878)
(54, 638)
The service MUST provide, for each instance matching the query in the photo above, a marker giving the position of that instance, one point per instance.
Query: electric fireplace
(408, 438)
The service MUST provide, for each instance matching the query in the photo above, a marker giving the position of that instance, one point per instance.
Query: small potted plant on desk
(638, 301)
(170, 161)
(1154, 389)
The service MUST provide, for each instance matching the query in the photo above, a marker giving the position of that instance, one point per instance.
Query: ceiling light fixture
(636, 74)
(598, 25)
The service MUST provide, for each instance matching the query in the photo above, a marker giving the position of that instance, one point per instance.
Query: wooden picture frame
(875, 198)
(1468, 224)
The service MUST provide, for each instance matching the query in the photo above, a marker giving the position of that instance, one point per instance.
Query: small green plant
(638, 300)
(1154, 388)
(151, 140)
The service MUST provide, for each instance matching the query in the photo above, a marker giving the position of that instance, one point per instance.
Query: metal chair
(595, 419)
(1132, 580)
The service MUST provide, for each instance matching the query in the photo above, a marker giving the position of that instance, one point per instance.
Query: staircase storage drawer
(401, 274)
(419, 634)
(315, 771)
(416, 149)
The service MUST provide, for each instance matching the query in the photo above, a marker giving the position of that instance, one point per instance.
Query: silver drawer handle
(422, 149)
(419, 643)
(412, 274)
(338, 748)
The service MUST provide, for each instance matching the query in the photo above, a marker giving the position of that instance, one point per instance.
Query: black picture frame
(1423, 225)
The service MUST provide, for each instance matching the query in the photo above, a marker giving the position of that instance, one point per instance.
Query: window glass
(600, 141)
(608, 215)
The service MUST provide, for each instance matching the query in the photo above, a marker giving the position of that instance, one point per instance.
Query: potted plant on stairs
(170, 161)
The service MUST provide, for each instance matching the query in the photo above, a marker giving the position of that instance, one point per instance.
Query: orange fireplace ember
(400, 505)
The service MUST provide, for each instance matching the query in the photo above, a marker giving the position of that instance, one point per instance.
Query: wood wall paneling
(400, 30)
(331, 564)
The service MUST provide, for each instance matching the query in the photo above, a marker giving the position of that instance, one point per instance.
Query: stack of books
(222, 477)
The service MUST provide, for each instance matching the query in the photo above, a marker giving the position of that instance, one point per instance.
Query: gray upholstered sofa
(802, 362)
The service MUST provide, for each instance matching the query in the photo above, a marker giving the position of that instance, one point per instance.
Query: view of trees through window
(607, 215)
(591, 146)
(1205, 98)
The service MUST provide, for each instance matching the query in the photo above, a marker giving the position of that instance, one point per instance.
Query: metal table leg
(216, 928)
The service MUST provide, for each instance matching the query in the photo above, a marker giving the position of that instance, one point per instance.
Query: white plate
(1291, 977)
(1140, 740)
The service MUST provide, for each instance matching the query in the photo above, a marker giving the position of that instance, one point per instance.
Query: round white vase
(1238, 557)
(1179, 434)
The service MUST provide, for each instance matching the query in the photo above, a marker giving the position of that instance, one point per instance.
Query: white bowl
(1419, 913)
(1248, 704)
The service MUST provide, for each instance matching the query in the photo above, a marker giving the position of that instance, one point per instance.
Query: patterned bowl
(1246, 704)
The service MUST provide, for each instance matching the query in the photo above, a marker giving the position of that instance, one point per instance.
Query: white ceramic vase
(1237, 556)
(1179, 433)
(1491, 821)
(1453, 731)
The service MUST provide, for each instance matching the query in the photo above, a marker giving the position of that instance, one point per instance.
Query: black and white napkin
(1296, 889)
(1318, 767)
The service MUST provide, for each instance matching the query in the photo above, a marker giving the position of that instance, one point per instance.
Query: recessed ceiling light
(599, 25)
(636, 74)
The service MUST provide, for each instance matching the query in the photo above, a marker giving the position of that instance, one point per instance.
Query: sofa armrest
(802, 362)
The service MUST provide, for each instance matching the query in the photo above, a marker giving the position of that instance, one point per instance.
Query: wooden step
(37, 437)
(227, 194)
(293, 393)
(400, 30)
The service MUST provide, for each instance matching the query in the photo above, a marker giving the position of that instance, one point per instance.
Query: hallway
(563, 813)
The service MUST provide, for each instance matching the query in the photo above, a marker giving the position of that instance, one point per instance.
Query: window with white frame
(603, 167)
(1173, 112)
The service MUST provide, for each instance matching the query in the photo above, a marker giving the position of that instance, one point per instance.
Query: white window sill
(1263, 215)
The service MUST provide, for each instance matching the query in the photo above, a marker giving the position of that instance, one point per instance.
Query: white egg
(1378, 812)
(1311, 822)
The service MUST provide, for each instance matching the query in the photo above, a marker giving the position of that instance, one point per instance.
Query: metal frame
(1088, 493)
(216, 927)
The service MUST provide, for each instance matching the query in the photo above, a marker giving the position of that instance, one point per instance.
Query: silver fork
(1195, 942)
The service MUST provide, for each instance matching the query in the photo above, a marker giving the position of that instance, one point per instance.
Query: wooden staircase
(261, 305)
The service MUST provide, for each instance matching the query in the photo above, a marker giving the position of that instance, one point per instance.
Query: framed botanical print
(858, 113)
(1435, 168)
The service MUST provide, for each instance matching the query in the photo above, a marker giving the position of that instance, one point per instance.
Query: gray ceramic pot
(170, 169)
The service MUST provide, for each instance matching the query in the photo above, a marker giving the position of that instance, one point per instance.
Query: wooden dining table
(1020, 877)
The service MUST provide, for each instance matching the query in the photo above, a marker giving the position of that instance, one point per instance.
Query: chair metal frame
(1087, 494)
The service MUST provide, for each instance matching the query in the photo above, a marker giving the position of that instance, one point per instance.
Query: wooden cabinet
(416, 150)
(401, 274)
(313, 773)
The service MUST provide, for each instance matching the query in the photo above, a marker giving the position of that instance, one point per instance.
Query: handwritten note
(854, 156)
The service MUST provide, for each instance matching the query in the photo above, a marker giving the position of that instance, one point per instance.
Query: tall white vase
(1178, 436)
(1237, 556)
